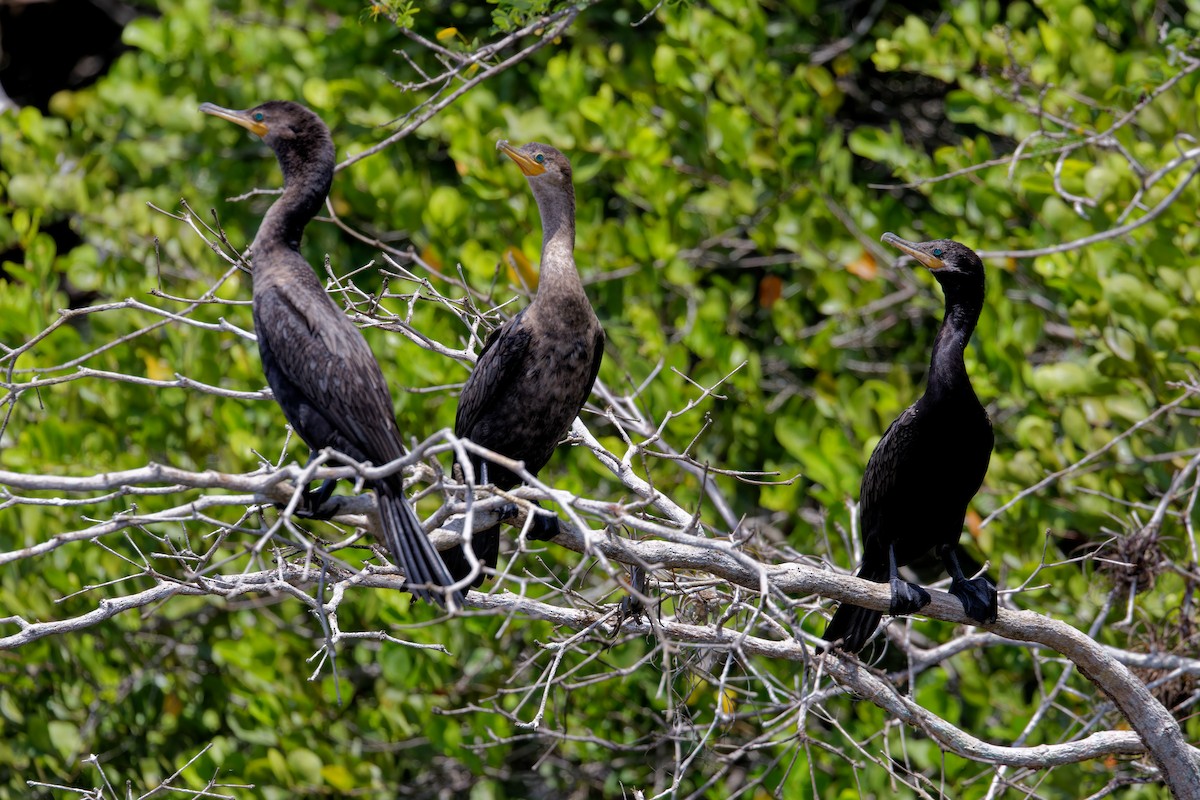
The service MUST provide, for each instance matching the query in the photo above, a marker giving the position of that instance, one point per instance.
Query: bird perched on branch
(316, 361)
(537, 369)
(929, 463)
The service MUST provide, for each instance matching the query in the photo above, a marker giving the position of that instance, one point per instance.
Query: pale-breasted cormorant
(316, 361)
(537, 369)
(929, 463)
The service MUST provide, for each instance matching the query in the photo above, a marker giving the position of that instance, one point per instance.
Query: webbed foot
(316, 503)
(507, 512)
(978, 597)
(326, 510)
(907, 598)
(543, 528)
(631, 605)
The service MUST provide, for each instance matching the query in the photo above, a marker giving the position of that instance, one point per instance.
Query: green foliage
(727, 214)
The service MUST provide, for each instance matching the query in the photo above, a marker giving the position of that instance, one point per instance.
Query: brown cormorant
(537, 369)
(316, 361)
(929, 463)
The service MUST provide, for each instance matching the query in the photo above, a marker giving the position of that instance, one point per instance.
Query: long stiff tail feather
(853, 625)
(485, 544)
(413, 552)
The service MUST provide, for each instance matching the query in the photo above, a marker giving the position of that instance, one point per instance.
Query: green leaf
(64, 736)
(306, 766)
(338, 777)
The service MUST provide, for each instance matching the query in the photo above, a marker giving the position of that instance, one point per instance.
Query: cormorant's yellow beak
(527, 164)
(243, 118)
(913, 249)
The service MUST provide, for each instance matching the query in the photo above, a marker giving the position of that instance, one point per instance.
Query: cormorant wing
(891, 465)
(336, 393)
(498, 367)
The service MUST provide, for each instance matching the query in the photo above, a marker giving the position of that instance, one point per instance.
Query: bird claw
(907, 598)
(543, 528)
(310, 509)
(507, 512)
(317, 503)
(978, 597)
(631, 605)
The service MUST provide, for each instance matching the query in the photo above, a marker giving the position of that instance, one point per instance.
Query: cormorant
(316, 361)
(536, 370)
(929, 463)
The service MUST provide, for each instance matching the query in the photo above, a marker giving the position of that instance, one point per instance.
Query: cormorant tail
(854, 624)
(411, 548)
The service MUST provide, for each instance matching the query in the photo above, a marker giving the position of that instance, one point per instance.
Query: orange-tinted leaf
(172, 705)
(157, 369)
(728, 702)
(973, 522)
(864, 267)
(770, 289)
(519, 269)
(430, 257)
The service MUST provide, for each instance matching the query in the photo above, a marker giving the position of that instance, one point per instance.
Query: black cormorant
(317, 363)
(536, 370)
(929, 463)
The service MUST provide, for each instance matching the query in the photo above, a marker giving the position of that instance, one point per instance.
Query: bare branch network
(720, 598)
(721, 601)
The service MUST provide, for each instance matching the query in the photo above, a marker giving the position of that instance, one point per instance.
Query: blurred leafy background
(735, 165)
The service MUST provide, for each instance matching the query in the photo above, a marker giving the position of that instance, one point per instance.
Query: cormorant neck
(947, 369)
(307, 175)
(557, 209)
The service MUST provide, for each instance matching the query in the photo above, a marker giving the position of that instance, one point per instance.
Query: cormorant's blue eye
(258, 117)
(937, 252)
(541, 159)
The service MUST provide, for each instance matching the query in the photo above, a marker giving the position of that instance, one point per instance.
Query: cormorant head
(299, 138)
(541, 163)
(949, 261)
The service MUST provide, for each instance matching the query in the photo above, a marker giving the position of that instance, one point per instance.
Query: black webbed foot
(631, 605)
(319, 503)
(323, 511)
(321, 495)
(316, 503)
(543, 528)
(978, 597)
(508, 512)
(907, 598)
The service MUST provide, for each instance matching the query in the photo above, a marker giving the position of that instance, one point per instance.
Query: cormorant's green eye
(541, 159)
(258, 117)
(937, 252)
